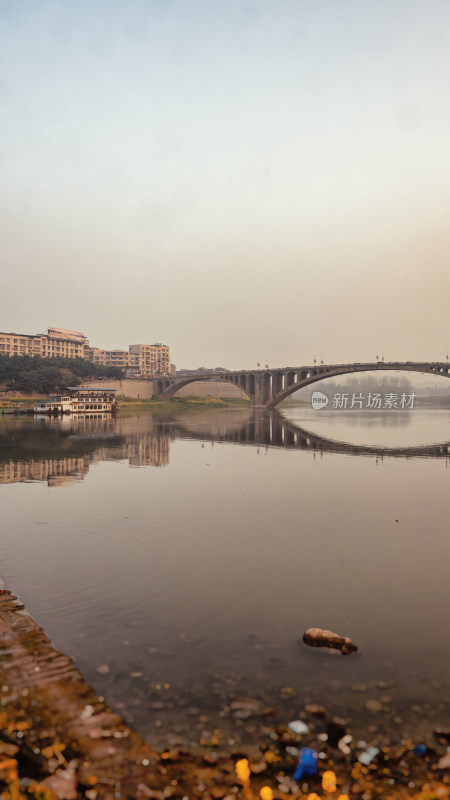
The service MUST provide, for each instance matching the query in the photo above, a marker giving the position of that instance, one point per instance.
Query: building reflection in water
(56, 472)
(33, 447)
(60, 451)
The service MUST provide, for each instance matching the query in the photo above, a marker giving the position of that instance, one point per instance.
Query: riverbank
(178, 403)
(22, 404)
(59, 739)
(126, 404)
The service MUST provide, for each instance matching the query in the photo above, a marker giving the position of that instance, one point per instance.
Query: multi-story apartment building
(109, 358)
(150, 359)
(98, 356)
(141, 360)
(56, 342)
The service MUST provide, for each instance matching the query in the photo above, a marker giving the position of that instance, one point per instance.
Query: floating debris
(315, 710)
(307, 764)
(374, 706)
(329, 781)
(444, 762)
(317, 637)
(343, 744)
(368, 755)
(298, 726)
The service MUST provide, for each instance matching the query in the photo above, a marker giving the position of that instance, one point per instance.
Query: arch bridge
(268, 387)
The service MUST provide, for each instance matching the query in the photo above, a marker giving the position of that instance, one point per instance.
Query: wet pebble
(315, 710)
(374, 706)
(298, 727)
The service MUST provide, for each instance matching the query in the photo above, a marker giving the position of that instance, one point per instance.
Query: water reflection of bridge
(61, 452)
(271, 429)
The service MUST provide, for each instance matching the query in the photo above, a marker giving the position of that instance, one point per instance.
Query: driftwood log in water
(316, 637)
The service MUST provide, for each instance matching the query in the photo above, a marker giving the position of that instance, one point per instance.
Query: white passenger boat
(79, 400)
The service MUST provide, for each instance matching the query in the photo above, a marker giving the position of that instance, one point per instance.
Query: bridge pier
(262, 394)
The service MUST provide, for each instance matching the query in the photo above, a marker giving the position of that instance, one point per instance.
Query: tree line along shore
(24, 379)
(32, 375)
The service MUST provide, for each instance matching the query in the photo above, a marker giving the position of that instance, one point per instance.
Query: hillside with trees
(35, 375)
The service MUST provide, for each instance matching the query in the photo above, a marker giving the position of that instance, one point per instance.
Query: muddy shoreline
(60, 739)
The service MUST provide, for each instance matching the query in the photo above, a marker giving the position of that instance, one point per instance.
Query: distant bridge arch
(166, 388)
(269, 387)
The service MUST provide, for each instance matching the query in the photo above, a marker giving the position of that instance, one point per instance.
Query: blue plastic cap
(307, 764)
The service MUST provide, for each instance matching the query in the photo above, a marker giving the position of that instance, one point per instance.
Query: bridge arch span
(269, 387)
(166, 389)
(310, 376)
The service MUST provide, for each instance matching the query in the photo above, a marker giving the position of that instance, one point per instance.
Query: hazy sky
(265, 180)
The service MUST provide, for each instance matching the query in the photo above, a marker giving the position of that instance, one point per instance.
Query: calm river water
(185, 554)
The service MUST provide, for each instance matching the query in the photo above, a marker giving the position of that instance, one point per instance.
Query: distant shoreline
(9, 403)
(129, 403)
